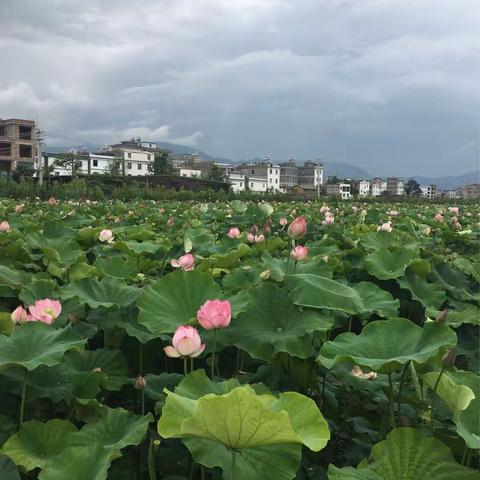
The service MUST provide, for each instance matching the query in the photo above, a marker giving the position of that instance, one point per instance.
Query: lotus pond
(181, 340)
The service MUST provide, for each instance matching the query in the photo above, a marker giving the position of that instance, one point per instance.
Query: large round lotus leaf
(377, 300)
(428, 294)
(34, 343)
(139, 249)
(279, 462)
(117, 267)
(56, 248)
(385, 264)
(175, 299)
(241, 419)
(36, 443)
(38, 290)
(457, 397)
(468, 420)
(407, 454)
(272, 324)
(386, 345)
(13, 278)
(58, 383)
(108, 292)
(111, 362)
(320, 292)
(115, 430)
(90, 462)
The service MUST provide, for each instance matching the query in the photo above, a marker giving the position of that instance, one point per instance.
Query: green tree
(216, 174)
(23, 170)
(412, 188)
(162, 164)
(70, 162)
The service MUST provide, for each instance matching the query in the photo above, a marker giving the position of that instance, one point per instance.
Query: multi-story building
(257, 184)
(237, 181)
(377, 187)
(471, 191)
(429, 191)
(289, 174)
(310, 175)
(191, 172)
(395, 186)
(342, 190)
(264, 171)
(83, 163)
(363, 187)
(17, 143)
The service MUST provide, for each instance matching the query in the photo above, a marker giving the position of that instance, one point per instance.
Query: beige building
(17, 143)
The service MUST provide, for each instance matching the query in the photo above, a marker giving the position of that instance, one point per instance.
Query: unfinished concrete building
(17, 143)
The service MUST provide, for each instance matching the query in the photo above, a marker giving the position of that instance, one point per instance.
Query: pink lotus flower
(329, 219)
(255, 238)
(106, 235)
(170, 222)
(185, 343)
(140, 382)
(298, 228)
(393, 213)
(46, 311)
(453, 210)
(283, 221)
(234, 232)
(187, 262)
(5, 226)
(386, 227)
(52, 201)
(438, 217)
(299, 253)
(18, 208)
(20, 315)
(324, 209)
(215, 314)
(359, 373)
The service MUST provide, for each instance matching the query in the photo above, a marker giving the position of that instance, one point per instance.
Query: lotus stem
(185, 366)
(192, 364)
(212, 372)
(151, 461)
(391, 405)
(234, 464)
(464, 456)
(22, 401)
(350, 324)
(432, 426)
(415, 381)
(202, 472)
(400, 388)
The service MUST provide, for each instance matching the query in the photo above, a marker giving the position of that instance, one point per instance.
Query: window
(5, 149)
(129, 155)
(276, 180)
(25, 151)
(149, 157)
(270, 180)
(241, 184)
(253, 171)
(129, 165)
(139, 166)
(271, 171)
(251, 184)
(95, 163)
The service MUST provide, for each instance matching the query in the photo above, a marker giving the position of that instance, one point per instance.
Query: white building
(257, 185)
(102, 163)
(237, 181)
(429, 191)
(378, 186)
(265, 171)
(345, 191)
(190, 173)
(363, 188)
(137, 161)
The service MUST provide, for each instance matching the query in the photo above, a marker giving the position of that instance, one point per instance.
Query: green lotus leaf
(231, 258)
(111, 362)
(6, 324)
(138, 249)
(13, 278)
(36, 442)
(385, 264)
(428, 294)
(377, 300)
(272, 324)
(450, 279)
(108, 292)
(157, 383)
(201, 239)
(386, 345)
(373, 241)
(79, 463)
(59, 249)
(241, 419)
(175, 299)
(457, 397)
(278, 267)
(241, 279)
(468, 420)
(115, 430)
(279, 461)
(320, 292)
(38, 290)
(34, 343)
(406, 454)
(117, 266)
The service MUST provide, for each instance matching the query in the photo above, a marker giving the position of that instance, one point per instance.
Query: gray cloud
(389, 85)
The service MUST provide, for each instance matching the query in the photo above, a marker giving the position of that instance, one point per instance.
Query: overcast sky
(389, 85)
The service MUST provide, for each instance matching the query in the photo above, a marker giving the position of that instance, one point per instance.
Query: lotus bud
(140, 382)
(265, 275)
(170, 222)
(234, 232)
(254, 229)
(448, 360)
(52, 201)
(442, 317)
(283, 221)
(4, 226)
(214, 314)
(97, 370)
(298, 228)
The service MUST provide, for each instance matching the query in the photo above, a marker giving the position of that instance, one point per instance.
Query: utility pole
(39, 140)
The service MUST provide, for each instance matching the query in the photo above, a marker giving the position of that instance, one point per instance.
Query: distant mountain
(344, 170)
(449, 182)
